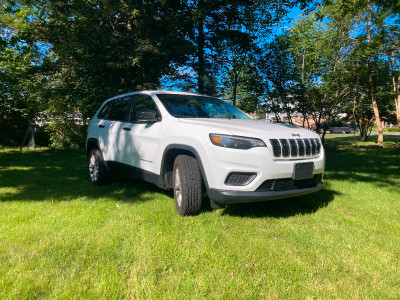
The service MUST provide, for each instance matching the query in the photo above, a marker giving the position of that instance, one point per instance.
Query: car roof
(154, 92)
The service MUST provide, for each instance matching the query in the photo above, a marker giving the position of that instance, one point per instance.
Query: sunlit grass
(61, 237)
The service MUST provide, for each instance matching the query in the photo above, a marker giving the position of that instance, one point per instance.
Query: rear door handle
(101, 126)
(126, 128)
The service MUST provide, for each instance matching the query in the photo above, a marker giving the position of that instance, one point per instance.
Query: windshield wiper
(184, 116)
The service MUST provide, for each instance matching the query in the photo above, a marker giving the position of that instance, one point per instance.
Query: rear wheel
(187, 185)
(97, 170)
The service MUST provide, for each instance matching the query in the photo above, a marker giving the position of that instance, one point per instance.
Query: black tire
(97, 168)
(187, 182)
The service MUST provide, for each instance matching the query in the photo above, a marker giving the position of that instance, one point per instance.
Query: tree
(243, 87)
(369, 19)
(216, 22)
(318, 52)
(331, 54)
(280, 78)
(391, 48)
(20, 81)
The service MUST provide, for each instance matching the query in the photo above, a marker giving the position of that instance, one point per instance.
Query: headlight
(236, 142)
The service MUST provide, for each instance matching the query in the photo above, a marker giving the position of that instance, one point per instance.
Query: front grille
(296, 148)
(287, 184)
(239, 179)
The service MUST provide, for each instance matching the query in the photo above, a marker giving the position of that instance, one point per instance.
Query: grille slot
(276, 147)
(293, 147)
(285, 148)
(308, 147)
(318, 145)
(301, 147)
(313, 147)
(296, 148)
(287, 184)
(239, 179)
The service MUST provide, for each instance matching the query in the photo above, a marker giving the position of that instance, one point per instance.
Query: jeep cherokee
(199, 145)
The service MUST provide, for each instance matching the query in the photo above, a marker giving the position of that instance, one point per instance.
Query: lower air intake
(287, 184)
(239, 179)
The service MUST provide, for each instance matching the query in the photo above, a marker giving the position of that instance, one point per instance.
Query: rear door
(115, 144)
(99, 126)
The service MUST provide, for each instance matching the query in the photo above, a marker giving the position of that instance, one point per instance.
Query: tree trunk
(363, 131)
(31, 143)
(397, 87)
(371, 85)
(302, 67)
(375, 105)
(200, 50)
(396, 84)
(235, 83)
(398, 109)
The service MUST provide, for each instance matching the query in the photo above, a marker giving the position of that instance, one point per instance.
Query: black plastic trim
(230, 197)
(186, 148)
(250, 177)
(121, 169)
(91, 140)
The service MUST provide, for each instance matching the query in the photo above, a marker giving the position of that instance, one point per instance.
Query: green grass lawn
(61, 237)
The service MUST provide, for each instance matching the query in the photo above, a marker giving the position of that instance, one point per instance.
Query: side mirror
(147, 115)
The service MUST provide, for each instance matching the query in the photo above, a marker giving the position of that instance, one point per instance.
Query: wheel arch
(91, 144)
(168, 159)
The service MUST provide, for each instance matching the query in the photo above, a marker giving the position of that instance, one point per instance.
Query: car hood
(252, 128)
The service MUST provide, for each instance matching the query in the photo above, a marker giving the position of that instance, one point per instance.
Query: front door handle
(126, 128)
(101, 126)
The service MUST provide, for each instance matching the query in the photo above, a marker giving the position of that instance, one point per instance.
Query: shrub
(66, 133)
(12, 131)
(392, 129)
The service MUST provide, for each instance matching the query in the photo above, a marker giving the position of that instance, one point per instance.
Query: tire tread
(191, 185)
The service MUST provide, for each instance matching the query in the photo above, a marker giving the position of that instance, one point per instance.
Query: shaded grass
(61, 237)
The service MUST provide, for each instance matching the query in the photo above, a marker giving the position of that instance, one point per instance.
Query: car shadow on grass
(60, 175)
(283, 208)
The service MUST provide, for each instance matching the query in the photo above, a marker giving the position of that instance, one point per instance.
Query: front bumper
(220, 162)
(230, 197)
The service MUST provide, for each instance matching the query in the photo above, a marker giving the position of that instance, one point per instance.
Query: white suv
(199, 145)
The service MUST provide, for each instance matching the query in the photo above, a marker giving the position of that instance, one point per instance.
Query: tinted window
(141, 102)
(192, 106)
(119, 109)
(104, 110)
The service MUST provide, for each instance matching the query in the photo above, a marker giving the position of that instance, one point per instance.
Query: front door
(143, 138)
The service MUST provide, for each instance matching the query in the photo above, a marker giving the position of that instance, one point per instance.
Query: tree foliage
(339, 56)
(65, 56)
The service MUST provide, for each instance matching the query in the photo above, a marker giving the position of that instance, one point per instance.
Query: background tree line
(62, 56)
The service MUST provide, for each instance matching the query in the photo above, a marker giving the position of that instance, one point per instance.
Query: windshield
(192, 106)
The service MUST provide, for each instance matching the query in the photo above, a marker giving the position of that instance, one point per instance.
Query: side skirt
(120, 169)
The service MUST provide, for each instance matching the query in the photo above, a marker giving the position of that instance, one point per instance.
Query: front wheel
(187, 185)
(97, 169)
